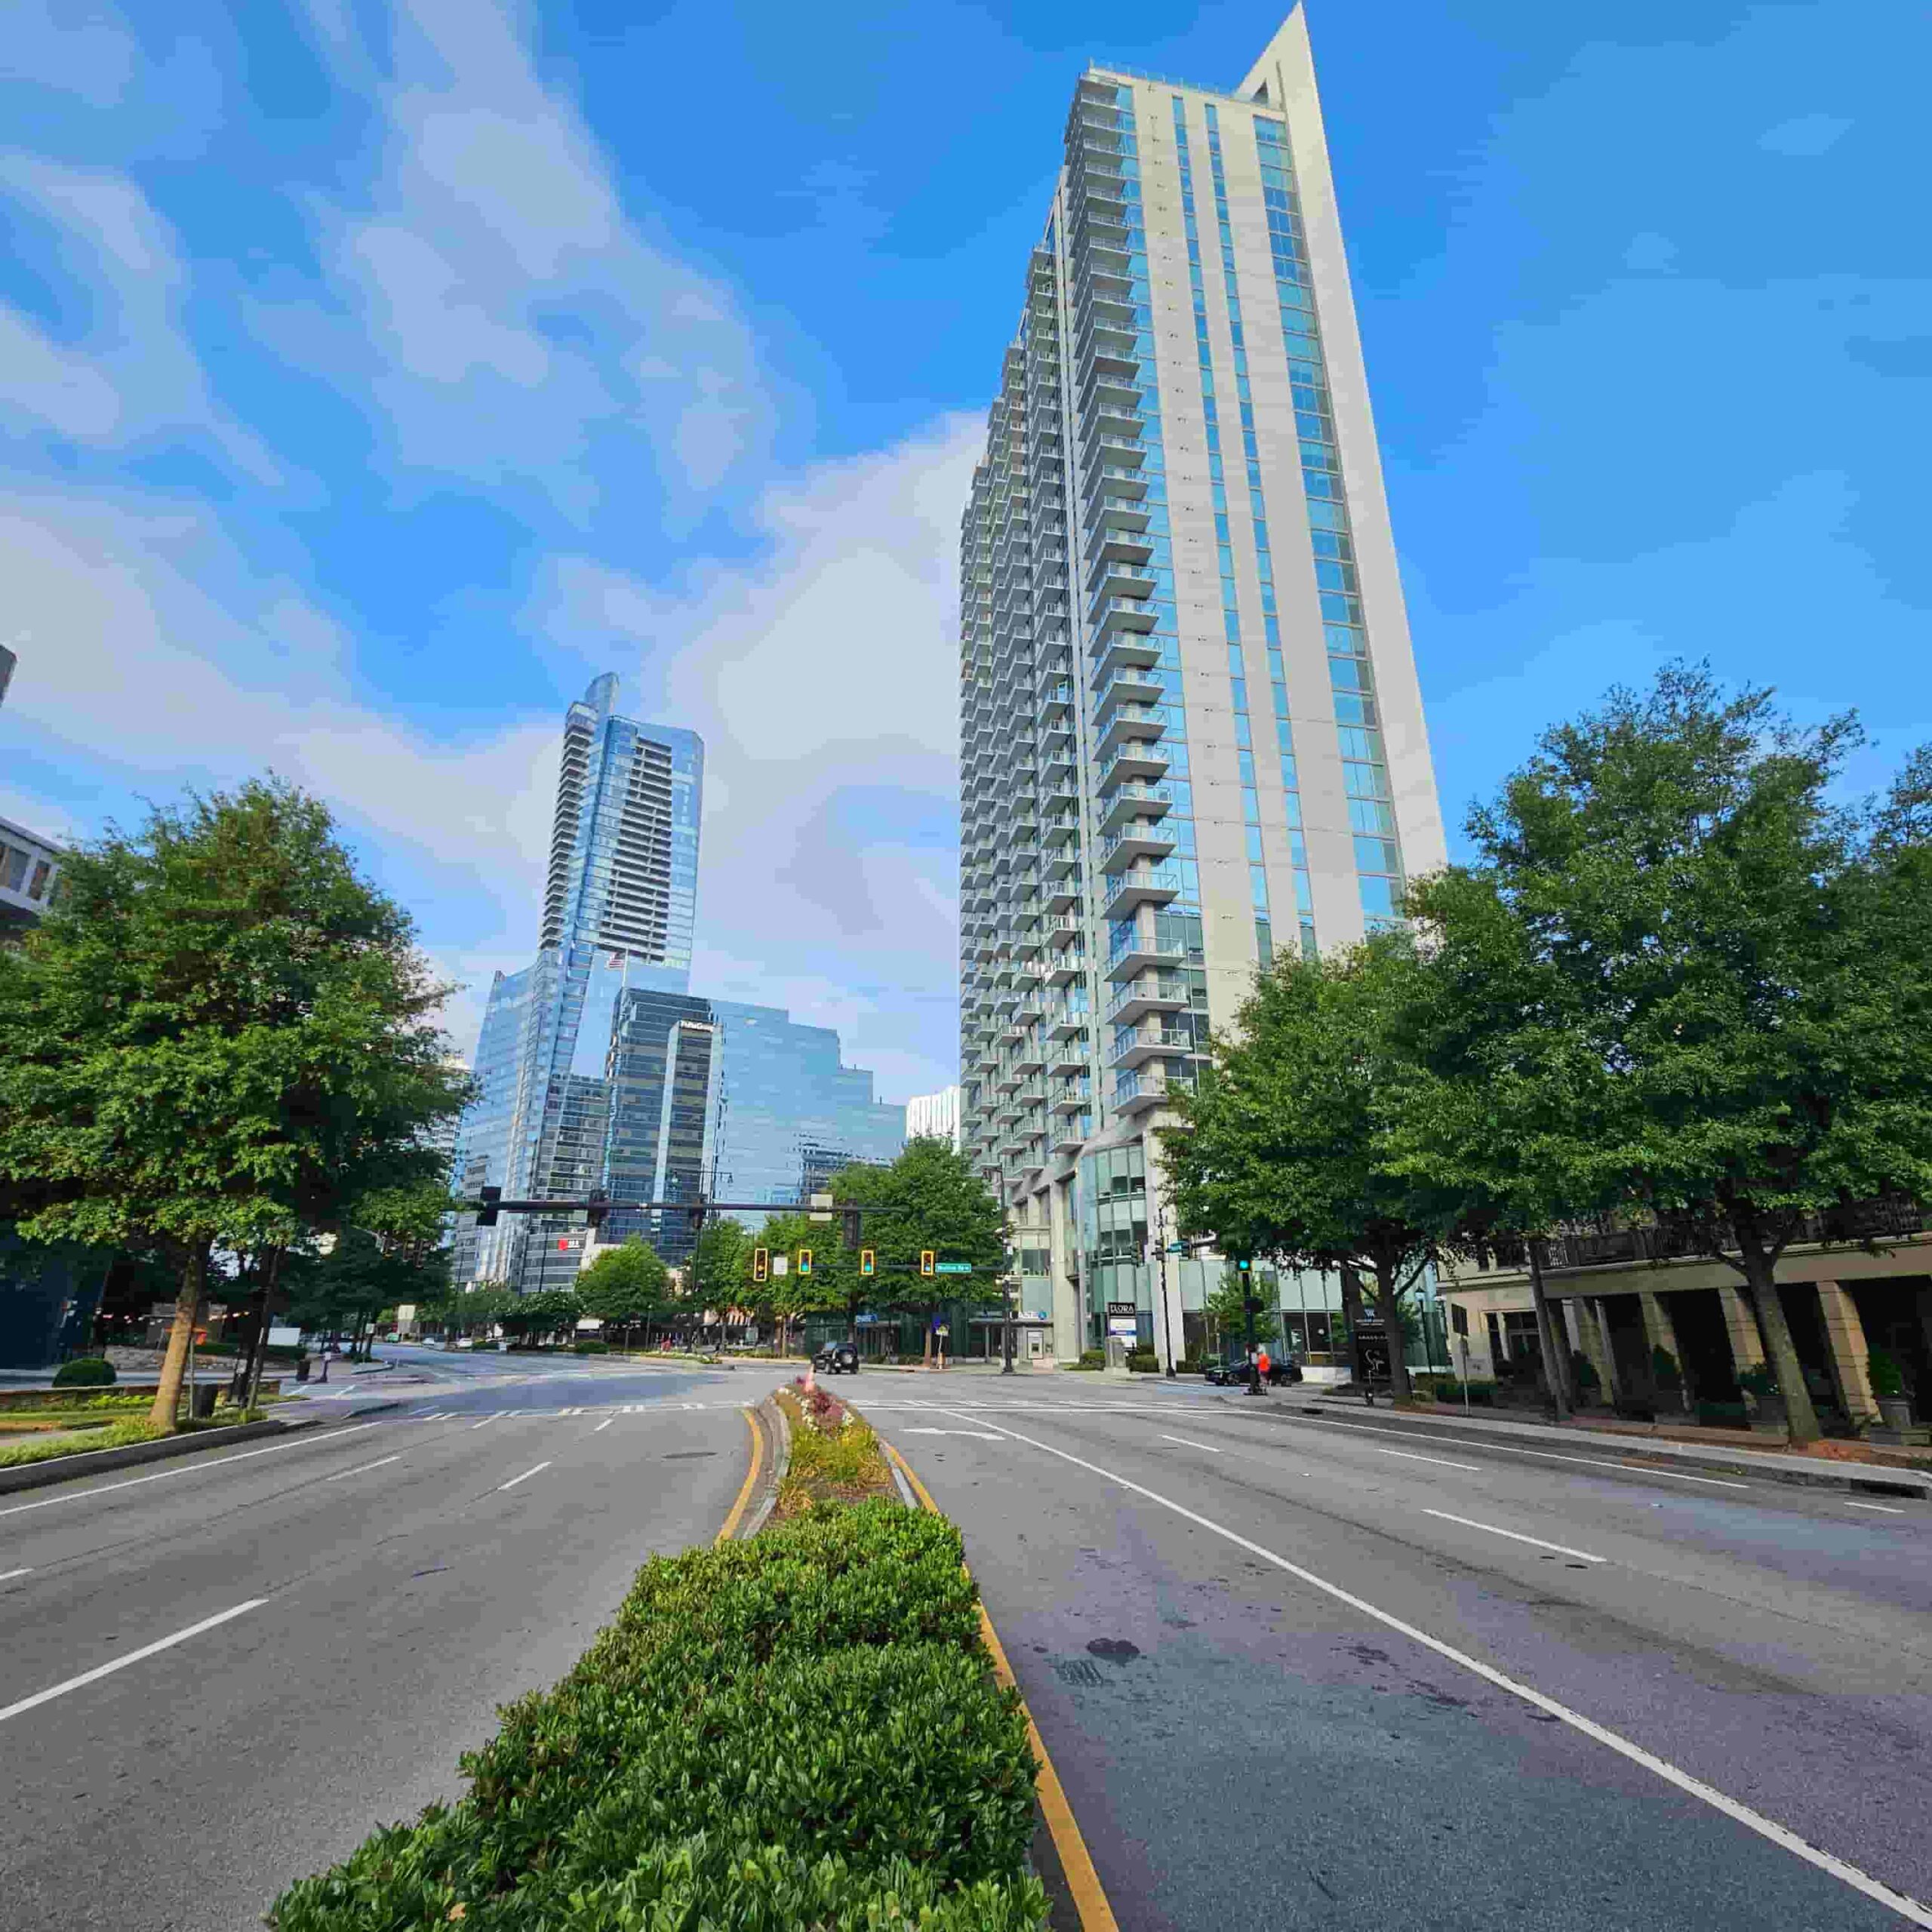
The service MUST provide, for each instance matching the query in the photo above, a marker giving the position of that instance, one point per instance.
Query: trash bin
(301, 1368)
(201, 1401)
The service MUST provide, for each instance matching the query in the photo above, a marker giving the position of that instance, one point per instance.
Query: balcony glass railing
(1162, 986)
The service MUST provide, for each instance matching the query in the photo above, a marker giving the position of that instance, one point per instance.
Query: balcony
(1107, 545)
(1063, 829)
(1124, 651)
(1109, 614)
(1067, 1058)
(1147, 1043)
(1132, 686)
(1072, 1097)
(1125, 479)
(1132, 801)
(1151, 1087)
(1151, 885)
(1135, 841)
(1132, 763)
(1065, 967)
(1031, 1058)
(1123, 516)
(1129, 723)
(1156, 993)
(1115, 580)
(1063, 894)
(1070, 1136)
(1066, 1022)
(1135, 953)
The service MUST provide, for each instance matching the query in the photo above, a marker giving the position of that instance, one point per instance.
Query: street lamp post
(1167, 1323)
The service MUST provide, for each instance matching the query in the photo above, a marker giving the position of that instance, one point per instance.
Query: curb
(97, 1462)
(1873, 1479)
(770, 1417)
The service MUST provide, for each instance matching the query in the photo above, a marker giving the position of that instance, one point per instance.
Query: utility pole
(1167, 1325)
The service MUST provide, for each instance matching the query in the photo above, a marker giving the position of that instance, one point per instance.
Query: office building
(29, 866)
(620, 904)
(662, 1073)
(934, 1117)
(1191, 729)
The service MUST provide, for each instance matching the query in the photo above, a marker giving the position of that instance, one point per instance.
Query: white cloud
(504, 313)
(133, 380)
(90, 59)
(823, 675)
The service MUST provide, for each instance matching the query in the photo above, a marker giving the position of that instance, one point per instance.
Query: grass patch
(113, 1435)
(835, 1456)
(800, 1730)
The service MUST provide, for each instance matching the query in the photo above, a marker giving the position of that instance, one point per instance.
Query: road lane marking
(1907, 1908)
(7, 1576)
(1543, 1455)
(1191, 1444)
(983, 1435)
(1887, 1508)
(194, 1467)
(361, 1469)
(489, 1418)
(1076, 1862)
(524, 1478)
(739, 1508)
(1410, 1455)
(100, 1670)
(604, 1425)
(1516, 1536)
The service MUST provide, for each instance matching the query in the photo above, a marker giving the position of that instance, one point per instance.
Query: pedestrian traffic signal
(868, 1261)
(1244, 1264)
(805, 1261)
(928, 1261)
(761, 1264)
(486, 1215)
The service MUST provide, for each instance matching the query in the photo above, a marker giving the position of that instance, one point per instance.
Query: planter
(1897, 1411)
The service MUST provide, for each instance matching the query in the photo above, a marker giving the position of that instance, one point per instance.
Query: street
(1272, 1654)
(350, 1606)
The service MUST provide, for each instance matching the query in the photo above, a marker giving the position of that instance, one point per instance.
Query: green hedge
(84, 1372)
(797, 1730)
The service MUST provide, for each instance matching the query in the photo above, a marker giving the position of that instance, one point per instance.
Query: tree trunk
(187, 1306)
(1351, 1312)
(1386, 1292)
(253, 1388)
(1802, 1418)
(1555, 1362)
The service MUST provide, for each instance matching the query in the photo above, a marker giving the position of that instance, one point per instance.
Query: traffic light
(486, 1215)
(850, 1218)
(805, 1261)
(599, 1207)
(868, 1261)
(928, 1261)
(761, 1264)
(1244, 1264)
(694, 1218)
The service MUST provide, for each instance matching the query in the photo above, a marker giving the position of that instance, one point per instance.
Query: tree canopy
(219, 1034)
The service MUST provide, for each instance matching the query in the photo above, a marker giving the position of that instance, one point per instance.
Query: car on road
(837, 1358)
(1232, 1374)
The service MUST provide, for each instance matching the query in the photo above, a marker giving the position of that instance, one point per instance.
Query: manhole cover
(1077, 1670)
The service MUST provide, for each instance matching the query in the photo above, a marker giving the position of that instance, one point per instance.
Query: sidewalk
(1787, 1465)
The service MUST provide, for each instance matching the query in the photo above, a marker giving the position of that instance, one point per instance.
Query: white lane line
(361, 1469)
(93, 1676)
(1909, 1909)
(1189, 1443)
(604, 1425)
(524, 1478)
(1544, 1455)
(489, 1418)
(1516, 1536)
(1886, 1507)
(193, 1466)
(984, 1435)
(7, 1576)
(1410, 1455)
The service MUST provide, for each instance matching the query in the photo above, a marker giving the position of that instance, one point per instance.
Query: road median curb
(96, 1462)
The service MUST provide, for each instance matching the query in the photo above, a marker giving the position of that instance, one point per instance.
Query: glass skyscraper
(620, 904)
(1191, 729)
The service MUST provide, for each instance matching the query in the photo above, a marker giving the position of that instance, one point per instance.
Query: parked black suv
(1233, 1374)
(837, 1358)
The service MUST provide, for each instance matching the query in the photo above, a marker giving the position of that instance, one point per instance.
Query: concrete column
(1068, 1313)
(1660, 1333)
(1746, 1350)
(1845, 1344)
(1597, 1325)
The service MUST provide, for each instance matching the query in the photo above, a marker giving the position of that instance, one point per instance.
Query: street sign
(781, 1266)
(954, 1267)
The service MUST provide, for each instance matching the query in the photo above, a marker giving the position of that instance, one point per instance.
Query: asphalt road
(1296, 1671)
(328, 1621)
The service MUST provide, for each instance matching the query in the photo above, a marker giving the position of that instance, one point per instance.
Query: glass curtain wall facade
(619, 906)
(1191, 729)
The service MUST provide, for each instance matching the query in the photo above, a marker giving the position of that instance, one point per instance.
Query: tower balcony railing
(1142, 885)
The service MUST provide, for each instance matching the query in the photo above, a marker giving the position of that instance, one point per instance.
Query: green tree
(1736, 974)
(1284, 1151)
(625, 1285)
(548, 1312)
(1226, 1306)
(219, 1028)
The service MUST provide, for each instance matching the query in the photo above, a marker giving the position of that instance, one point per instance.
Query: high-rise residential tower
(618, 908)
(1191, 728)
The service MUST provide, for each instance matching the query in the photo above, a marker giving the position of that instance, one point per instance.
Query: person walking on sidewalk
(1263, 1368)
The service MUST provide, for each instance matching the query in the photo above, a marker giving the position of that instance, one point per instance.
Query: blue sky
(371, 375)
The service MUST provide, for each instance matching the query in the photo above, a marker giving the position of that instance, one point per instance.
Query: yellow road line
(738, 1509)
(1083, 1882)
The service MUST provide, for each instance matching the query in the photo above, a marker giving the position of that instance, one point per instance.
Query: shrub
(591, 1347)
(796, 1731)
(115, 1436)
(1887, 1376)
(1583, 1371)
(1723, 1415)
(84, 1372)
(1093, 1357)
(1142, 1361)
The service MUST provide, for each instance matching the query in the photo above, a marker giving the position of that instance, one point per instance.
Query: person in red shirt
(1261, 1365)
